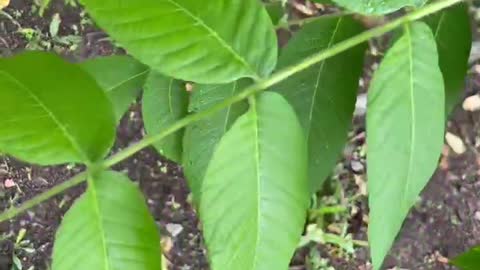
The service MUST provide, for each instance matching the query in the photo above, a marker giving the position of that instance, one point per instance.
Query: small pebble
(477, 216)
(455, 143)
(9, 183)
(174, 229)
(472, 103)
(357, 166)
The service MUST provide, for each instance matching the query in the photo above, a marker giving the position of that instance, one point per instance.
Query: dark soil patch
(445, 222)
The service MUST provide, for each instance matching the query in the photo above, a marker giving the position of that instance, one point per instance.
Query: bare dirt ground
(444, 223)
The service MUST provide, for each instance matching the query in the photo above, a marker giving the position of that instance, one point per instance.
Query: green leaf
(276, 11)
(255, 192)
(213, 41)
(165, 101)
(52, 111)
(453, 33)
(405, 129)
(122, 77)
(202, 137)
(369, 7)
(108, 228)
(469, 260)
(323, 95)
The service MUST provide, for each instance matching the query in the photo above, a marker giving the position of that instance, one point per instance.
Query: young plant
(252, 159)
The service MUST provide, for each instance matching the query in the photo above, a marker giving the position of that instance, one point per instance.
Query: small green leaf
(213, 41)
(255, 192)
(323, 95)
(469, 260)
(405, 129)
(165, 101)
(453, 33)
(108, 228)
(370, 7)
(122, 77)
(202, 137)
(52, 111)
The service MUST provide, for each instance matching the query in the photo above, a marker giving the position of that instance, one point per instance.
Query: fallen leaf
(455, 143)
(4, 3)
(472, 103)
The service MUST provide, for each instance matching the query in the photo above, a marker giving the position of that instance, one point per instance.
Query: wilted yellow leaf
(4, 3)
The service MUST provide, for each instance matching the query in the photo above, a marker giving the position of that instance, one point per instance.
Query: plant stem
(260, 85)
(280, 76)
(14, 211)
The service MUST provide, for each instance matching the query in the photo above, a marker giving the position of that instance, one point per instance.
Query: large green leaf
(122, 77)
(202, 137)
(453, 33)
(215, 41)
(255, 192)
(469, 260)
(405, 128)
(323, 95)
(378, 6)
(52, 112)
(109, 228)
(165, 101)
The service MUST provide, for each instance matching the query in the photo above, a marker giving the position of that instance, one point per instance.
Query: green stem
(282, 75)
(14, 211)
(253, 89)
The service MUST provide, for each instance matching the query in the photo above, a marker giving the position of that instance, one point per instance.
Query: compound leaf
(109, 227)
(378, 6)
(165, 101)
(215, 41)
(255, 192)
(405, 128)
(53, 112)
(202, 137)
(469, 260)
(453, 33)
(122, 77)
(323, 95)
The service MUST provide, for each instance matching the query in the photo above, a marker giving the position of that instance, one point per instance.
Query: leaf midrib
(129, 79)
(51, 115)
(412, 115)
(320, 72)
(96, 209)
(256, 121)
(217, 37)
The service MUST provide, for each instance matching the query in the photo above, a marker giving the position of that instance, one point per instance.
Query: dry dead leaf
(472, 103)
(455, 143)
(4, 3)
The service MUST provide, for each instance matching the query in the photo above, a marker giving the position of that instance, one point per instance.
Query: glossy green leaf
(323, 95)
(108, 228)
(215, 41)
(469, 260)
(405, 129)
(255, 192)
(378, 6)
(453, 33)
(122, 77)
(202, 137)
(165, 101)
(52, 111)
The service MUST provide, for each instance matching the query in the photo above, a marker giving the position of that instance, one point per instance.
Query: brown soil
(442, 225)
